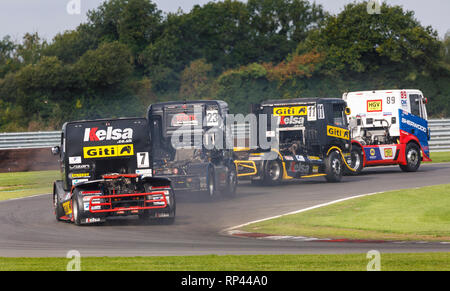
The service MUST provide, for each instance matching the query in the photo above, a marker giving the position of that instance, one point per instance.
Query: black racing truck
(309, 138)
(106, 168)
(192, 146)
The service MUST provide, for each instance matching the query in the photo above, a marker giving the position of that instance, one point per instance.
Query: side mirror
(348, 111)
(56, 150)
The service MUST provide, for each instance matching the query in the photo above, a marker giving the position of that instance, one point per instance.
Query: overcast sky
(48, 17)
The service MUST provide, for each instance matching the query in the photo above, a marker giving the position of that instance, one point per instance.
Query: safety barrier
(440, 137)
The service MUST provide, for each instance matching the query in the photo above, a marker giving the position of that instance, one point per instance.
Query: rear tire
(232, 181)
(57, 207)
(413, 158)
(211, 187)
(357, 161)
(333, 167)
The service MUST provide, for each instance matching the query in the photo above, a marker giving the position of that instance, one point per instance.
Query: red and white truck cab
(388, 127)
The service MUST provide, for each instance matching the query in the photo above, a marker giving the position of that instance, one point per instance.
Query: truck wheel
(413, 158)
(173, 210)
(230, 189)
(76, 209)
(57, 207)
(357, 161)
(211, 190)
(273, 173)
(333, 167)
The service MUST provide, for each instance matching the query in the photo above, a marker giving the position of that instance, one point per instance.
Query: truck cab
(311, 139)
(106, 170)
(389, 127)
(192, 146)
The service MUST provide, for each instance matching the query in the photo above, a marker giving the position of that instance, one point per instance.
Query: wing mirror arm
(56, 150)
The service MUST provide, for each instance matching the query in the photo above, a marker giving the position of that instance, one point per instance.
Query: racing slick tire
(334, 167)
(357, 162)
(57, 207)
(273, 173)
(231, 186)
(413, 158)
(211, 190)
(77, 210)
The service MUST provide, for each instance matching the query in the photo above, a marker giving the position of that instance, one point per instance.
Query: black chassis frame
(114, 176)
(192, 177)
(310, 158)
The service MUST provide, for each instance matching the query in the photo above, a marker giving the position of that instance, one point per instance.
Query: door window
(414, 101)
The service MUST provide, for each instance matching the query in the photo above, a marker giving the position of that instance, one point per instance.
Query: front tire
(57, 207)
(76, 208)
(413, 158)
(333, 167)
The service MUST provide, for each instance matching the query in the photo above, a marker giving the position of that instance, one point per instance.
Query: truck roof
(388, 91)
(195, 102)
(100, 120)
(295, 101)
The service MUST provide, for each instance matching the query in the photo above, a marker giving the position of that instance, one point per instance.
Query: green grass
(349, 262)
(15, 185)
(441, 157)
(414, 214)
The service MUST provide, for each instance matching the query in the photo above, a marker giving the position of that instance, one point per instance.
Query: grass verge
(441, 157)
(16, 185)
(413, 214)
(348, 262)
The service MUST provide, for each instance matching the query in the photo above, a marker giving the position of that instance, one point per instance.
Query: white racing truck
(388, 127)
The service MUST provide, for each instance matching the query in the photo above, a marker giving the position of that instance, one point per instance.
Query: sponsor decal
(290, 111)
(372, 152)
(80, 175)
(92, 220)
(388, 153)
(78, 181)
(374, 105)
(110, 134)
(74, 160)
(300, 158)
(145, 172)
(289, 158)
(67, 208)
(80, 167)
(184, 119)
(338, 132)
(292, 120)
(415, 125)
(108, 151)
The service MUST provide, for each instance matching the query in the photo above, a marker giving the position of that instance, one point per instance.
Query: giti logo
(94, 134)
(108, 151)
(338, 132)
(290, 111)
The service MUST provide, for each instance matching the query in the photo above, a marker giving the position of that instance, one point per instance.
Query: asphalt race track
(28, 227)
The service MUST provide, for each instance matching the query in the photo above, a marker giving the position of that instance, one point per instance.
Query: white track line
(299, 211)
(22, 198)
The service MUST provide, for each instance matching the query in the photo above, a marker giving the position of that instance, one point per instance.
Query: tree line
(129, 54)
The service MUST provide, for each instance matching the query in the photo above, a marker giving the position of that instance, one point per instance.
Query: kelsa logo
(291, 120)
(374, 105)
(108, 151)
(338, 132)
(94, 134)
(290, 111)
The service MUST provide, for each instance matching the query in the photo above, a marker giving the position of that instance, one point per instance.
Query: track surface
(28, 227)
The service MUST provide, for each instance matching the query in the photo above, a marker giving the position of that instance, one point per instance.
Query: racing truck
(192, 146)
(310, 139)
(389, 127)
(106, 170)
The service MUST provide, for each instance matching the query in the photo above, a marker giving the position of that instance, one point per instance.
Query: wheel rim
(356, 161)
(274, 171)
(413, 157)
(336, 166)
